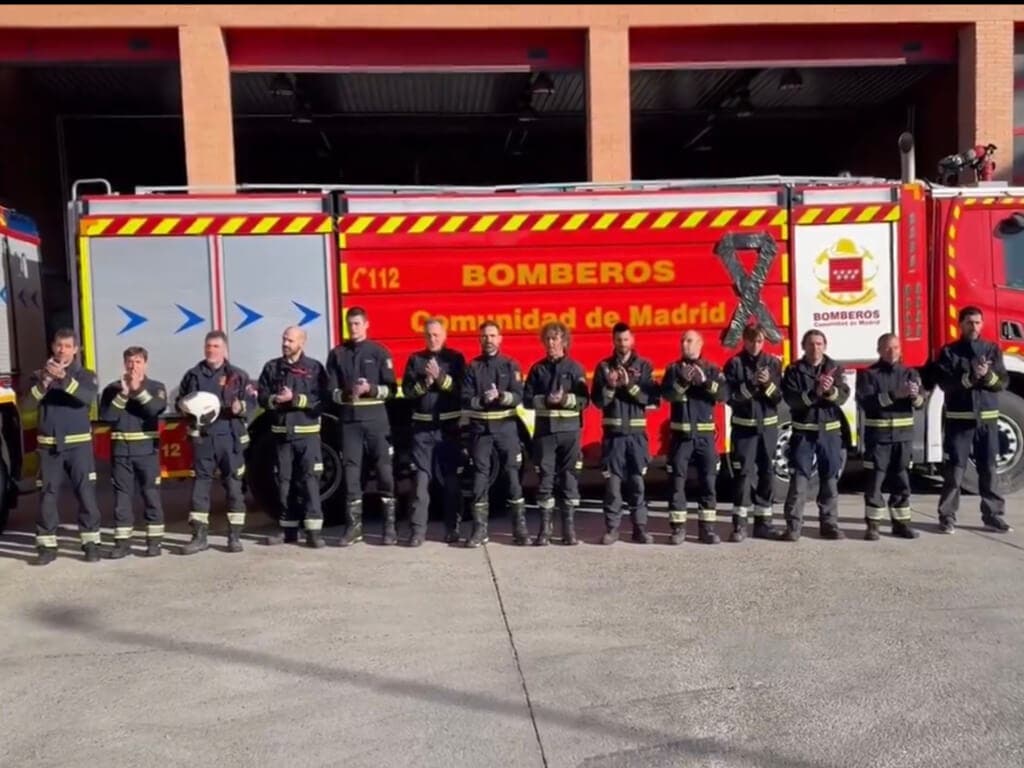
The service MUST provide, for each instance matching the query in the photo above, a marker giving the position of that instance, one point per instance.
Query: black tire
(1010, 462)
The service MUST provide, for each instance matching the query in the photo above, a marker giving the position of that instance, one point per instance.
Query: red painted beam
(322, 50)
(94, 46)
(779, 46)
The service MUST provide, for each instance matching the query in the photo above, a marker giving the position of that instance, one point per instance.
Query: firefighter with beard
(971, 373)
(754, 380)
(623, 389)
(888, 393)
(694, 387)
(432, 382)
(556, 390)
(815, 390)
(361, 379)
(491, 391)
(292, 389)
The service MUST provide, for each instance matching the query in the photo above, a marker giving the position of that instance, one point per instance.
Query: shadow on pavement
(70, 618)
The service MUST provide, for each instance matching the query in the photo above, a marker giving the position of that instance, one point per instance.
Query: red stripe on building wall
(367, 50)
(94, 46)
(837, 45)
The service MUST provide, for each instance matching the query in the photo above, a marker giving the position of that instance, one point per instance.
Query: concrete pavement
(764, 654)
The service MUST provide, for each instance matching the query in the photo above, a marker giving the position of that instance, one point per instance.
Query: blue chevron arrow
(134, 320)
(308, 315)
(3, 294)
(191, 319)
(251, 316)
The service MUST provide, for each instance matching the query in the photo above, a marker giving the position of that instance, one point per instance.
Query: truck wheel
(1010, 460)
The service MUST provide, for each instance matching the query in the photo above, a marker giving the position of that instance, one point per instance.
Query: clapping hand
(763, 376)
(285, 395)
(613, 377)
(433, 371)
(825, 383)
(981, 368)
(491, 394)
(556, 396)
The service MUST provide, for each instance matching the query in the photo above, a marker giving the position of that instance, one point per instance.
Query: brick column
(608, 107)
(986, 90)
(206, 105)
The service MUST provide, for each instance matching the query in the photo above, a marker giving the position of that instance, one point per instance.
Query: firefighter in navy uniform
(219, 446)
(623, 388)
(694, 387)
(361, 379)
(432, 381)
(815, 389)
(491, 391)
(888, 393)
(971, 373)
(132, 406)
(63, 393)
(754, 381)
(556, 390)
(292, 389)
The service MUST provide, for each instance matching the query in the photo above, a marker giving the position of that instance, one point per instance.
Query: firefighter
(694, 387)
(63, 392)
(220, 445)
(361, 379)
(292, 389)
(624, 388)
(556, 390)
(971, 373)
(888, 393)
(491, 391)
(132, 406)
(754, 381)
(432, 381)
(815, 389)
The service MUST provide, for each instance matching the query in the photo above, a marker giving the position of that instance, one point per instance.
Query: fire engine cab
(853, 257)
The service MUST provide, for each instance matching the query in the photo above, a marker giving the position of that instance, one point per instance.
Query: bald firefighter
(888, 393)
(815, 390)
(754, 380)
(624, 388)
(694, 387)
(63, 392)
(432, 382)
(491, 390)
(556, 390)
(361, 379)
(292, 389)
(132, 406)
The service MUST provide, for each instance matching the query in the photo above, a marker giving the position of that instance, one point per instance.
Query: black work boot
(790, 533)
(283, 536)
(416, 539)
(153, 547)
(763, 528)
(678, 534)
(739, 529)
(706, 533)
(996, 524)
(902, 529)
(92, 552)
(234, 538)
(314, 538)
(199, 542)
(640, 535)
(544, 534)
(479, 536)
(569, 527)
(354, 530)
(520, 533)
(122, 548)
(831, 532)
(46, 555)
(871, 532)
(453, 535)
(389, 533)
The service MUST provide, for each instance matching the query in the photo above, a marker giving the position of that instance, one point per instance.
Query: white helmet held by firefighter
(204, 407)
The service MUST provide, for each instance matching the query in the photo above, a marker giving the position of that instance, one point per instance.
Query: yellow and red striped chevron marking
(982, 201)
(418, 224)
(153, 226)
(846, 214)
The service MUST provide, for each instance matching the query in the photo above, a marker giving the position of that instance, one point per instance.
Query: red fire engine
(853, 257)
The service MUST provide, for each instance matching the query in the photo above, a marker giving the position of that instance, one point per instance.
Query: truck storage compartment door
(23, 342)
(845, 256)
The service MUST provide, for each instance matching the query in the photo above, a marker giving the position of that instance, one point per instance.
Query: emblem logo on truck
(845, 271)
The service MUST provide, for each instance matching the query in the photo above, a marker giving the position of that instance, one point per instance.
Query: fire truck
(853, 257)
